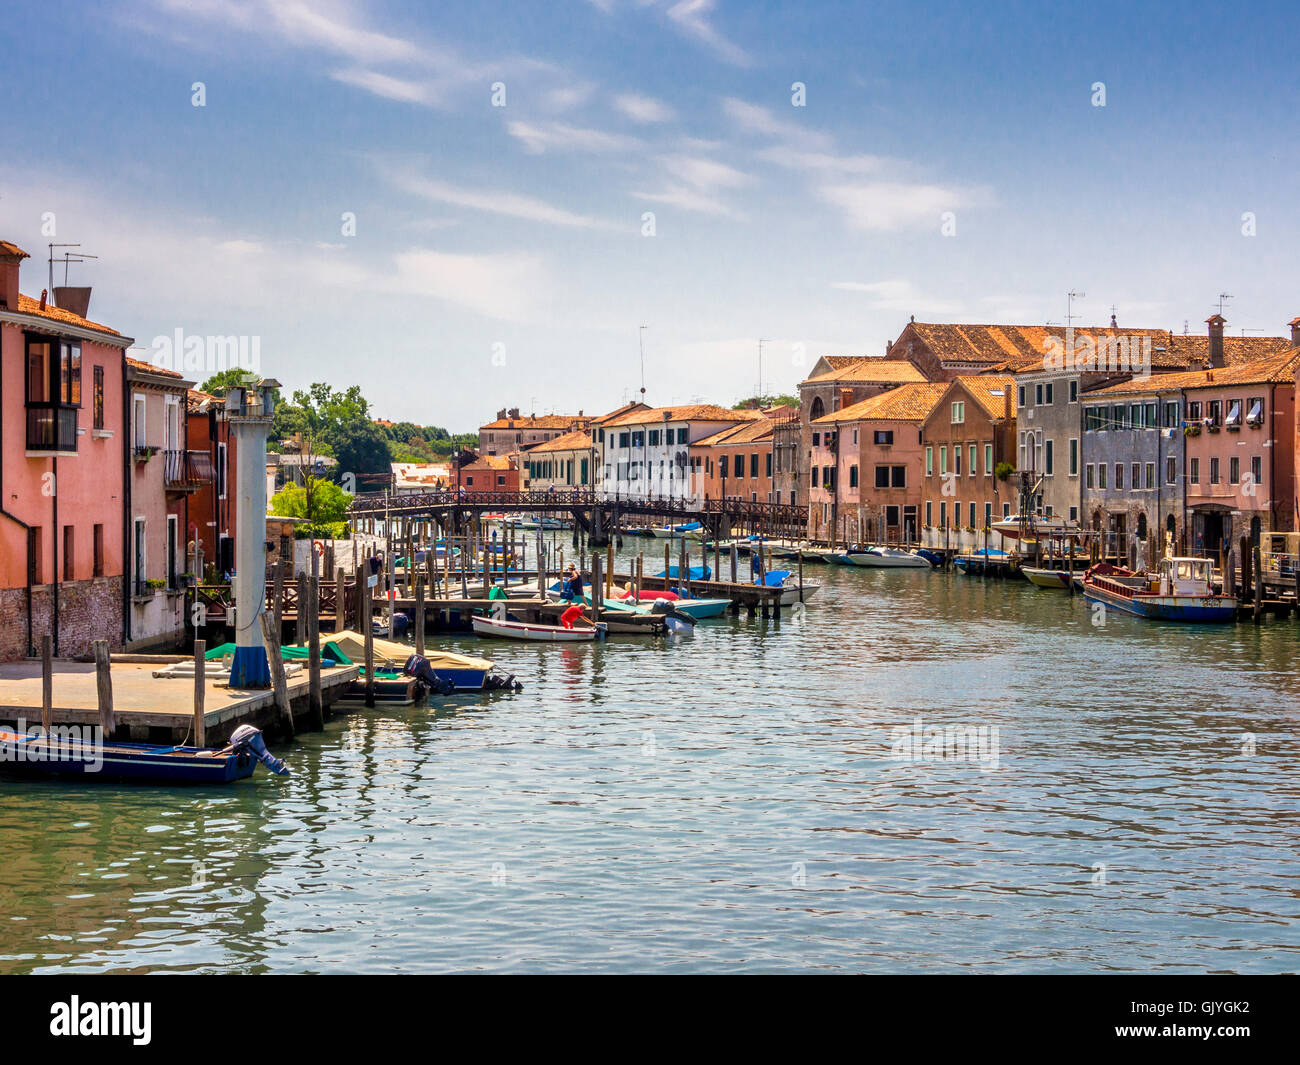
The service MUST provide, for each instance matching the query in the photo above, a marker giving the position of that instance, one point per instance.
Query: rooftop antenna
(1223, 296)
(68, 257)
(640, 339)
(1070, 316)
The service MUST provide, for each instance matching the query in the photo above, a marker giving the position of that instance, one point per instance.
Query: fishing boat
(36, 754)
(977, 562)
(691, 530)
(528, 630)
(1046, 578)
(789, 583)
(889, 558)
(1182, 589)
(463, 672)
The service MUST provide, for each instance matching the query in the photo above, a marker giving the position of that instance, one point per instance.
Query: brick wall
(88, 610)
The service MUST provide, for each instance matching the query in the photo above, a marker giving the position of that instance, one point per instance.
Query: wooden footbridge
(596, 517)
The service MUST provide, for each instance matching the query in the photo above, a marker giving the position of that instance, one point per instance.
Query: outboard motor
(247, 738)
(673, 613)
(417, 666)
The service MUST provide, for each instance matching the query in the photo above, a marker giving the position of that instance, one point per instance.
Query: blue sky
(499, 257)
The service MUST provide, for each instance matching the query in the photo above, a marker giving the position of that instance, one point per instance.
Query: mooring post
(315, 702)
(340, 601)
(47, 682)
(595, 586)
(277, 599)
(419, 614)
(104, 688)
(276, 662)
(1259, 583)
(200, 692)
(368, 633)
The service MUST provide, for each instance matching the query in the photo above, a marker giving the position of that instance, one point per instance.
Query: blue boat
(978, 561)
(698, 573)
(933, 557)
(1181, 590)
(34, 754)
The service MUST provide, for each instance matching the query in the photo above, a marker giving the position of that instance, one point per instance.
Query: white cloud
(823, 162)
(692, 18)
(554, 136)
(391, 88)
(690, 200)
(898, 295)
(511, 204)
(644, 109)
(705, 173)
(751, 118)
(507, 286)
(885, 206)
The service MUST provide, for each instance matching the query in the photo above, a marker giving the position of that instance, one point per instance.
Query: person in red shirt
(572, 614)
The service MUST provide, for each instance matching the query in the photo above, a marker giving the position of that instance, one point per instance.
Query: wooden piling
(271, 640)
(200, 692)
(47, 682)
(277, 599)
(419, 614)
(1259, 584)
(104, 688)
(315, 703)
(340, 601)
(368, 631)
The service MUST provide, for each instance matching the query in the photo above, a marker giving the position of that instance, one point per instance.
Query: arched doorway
(818, 409)
(1142, 525)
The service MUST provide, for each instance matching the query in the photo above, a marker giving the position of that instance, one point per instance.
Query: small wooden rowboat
(528, 630)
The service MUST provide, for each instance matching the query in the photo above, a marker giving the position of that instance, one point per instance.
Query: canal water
(754, 796)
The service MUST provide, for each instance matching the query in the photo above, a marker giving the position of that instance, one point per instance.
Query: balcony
(51, 429)
(186, 471)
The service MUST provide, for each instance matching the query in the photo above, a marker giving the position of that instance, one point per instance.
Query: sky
(467, 206)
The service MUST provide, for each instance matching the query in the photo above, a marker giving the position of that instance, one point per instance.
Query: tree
(220, 383)
(323, 503)
(757, 402)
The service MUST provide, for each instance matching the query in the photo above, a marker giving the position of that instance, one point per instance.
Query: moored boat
(888, 558)
(1046, 578)
(527, 630)
(1182, 589)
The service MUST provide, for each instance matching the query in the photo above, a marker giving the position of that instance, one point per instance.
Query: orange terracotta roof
(697, 412)
(1280, 368)
(490, 462)
(626, 408)
(148, 367)
(537, 421)
(906, 403)
(991, 391)
(27, 305)
(871, 369)
(10, 249)
(747, 433)
(578, 440)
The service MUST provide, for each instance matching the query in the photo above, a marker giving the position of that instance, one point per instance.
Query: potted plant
(1192, 430)
(145, 452)
(155, 583)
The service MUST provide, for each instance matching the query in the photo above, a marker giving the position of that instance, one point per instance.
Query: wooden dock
(151, 709)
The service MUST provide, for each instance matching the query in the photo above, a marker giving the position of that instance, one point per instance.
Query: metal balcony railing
(184, 470)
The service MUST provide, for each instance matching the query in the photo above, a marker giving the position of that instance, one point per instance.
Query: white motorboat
(888, 558)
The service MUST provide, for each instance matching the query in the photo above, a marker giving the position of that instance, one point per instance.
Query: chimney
(11, 257)
(501, 414)
(1295, 331)
(889, 344)
(846, 398)
(1216, 323)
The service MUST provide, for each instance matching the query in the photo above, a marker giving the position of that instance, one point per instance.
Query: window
(501, 480)
(1074, 515)
(1257, 470)
(654, 437)
(683, 435)
(855, 436)
(1214, 411)
(972, 514)
(1022, 396)
(1101, 475)
(1255, 410)
(1049, 457)
(988, 460)
(97, 398)
(69, 553)
(98, 546)
(1074, 398)
(1074, 456)
(221, 471)
(173, 554)
(1038, 395)
(138, 426)
(768, 466)
(738, 467)
(753, 465)
(882, 476)
(1171, 414)
(1234, 470)
(817, 439)
(956, 459)
(1194, 411)
(974, 455)
(1119, 476)
(988, 514)
(1088, 476)
(138, 574)
(958, 412)
(1171, 470)
(1091, 419)
(1150, 481)
(884, 436)
(1006, 510)
(943, 461)
(624, 439)
(1135, 416)
(897, 476)
(1214, 471)
(929, 466)
(1194, 471)
(943, 514)
(1152, 421)
(929, 512)
(1233, 420)
(1135, 476)
(1048, 393)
